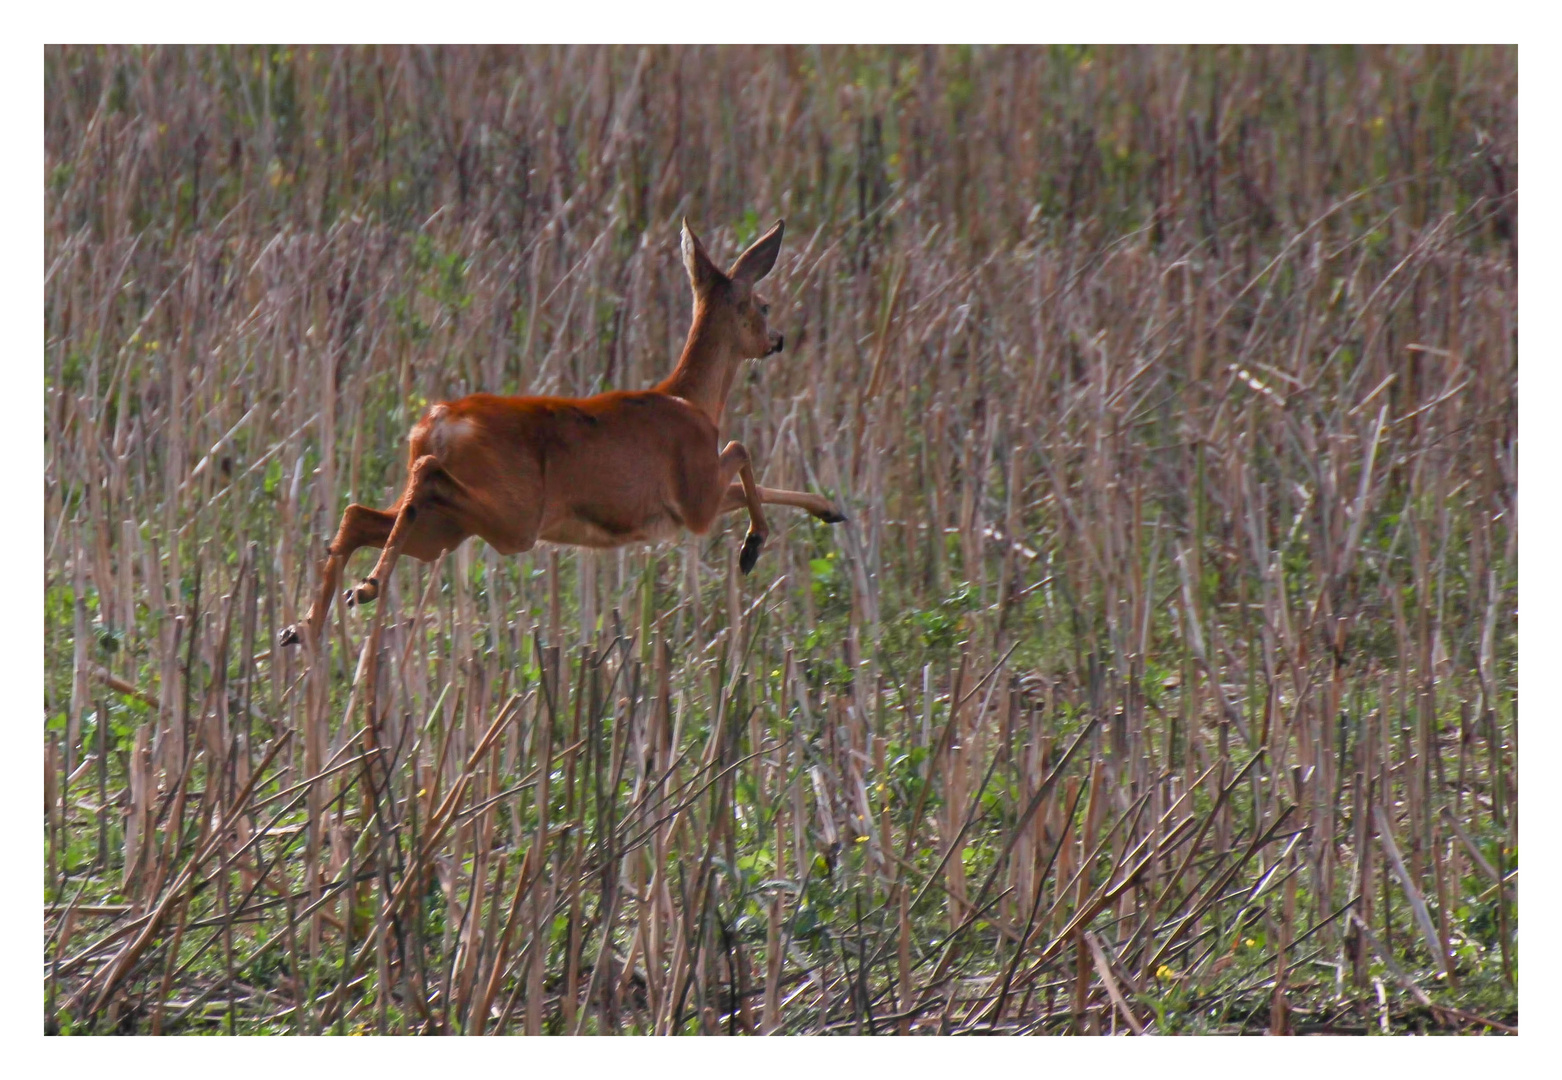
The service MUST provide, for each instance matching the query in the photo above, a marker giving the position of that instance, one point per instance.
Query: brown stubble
(1171, 394)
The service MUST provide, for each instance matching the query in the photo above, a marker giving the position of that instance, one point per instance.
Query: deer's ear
(702, 272)
(756, 262)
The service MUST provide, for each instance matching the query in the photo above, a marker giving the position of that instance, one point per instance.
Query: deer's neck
(705, 371)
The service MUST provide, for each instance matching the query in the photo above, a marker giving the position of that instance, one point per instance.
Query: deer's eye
(764, 309)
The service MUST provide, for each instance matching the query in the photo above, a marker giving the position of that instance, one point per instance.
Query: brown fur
(616, 468)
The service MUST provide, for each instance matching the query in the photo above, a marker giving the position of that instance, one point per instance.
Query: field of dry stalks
(1162, 681)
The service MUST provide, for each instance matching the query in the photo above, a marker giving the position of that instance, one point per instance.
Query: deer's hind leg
(361, 526)
(416, 527)
(436, 513)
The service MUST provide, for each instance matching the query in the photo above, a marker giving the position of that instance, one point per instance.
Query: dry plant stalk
(1163, 680)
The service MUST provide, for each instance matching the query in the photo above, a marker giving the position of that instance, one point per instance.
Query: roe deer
(602, 471)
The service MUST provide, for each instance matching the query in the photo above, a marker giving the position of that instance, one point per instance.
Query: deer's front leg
(817, 505)
(735, 459)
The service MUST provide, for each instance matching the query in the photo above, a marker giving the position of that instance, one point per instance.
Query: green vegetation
(1163, 679)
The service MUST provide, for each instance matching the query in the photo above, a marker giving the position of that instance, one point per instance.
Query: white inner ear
(690, 260)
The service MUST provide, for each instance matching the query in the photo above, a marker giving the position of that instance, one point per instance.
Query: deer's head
(728, 301)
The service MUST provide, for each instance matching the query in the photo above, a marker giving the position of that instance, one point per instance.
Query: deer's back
(605, 470)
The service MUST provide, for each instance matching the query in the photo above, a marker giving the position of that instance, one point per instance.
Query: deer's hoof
(751, 545)
(288, 636)
(365, 592)
(832, 517)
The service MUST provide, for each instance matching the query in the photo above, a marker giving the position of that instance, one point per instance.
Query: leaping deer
(603, 471)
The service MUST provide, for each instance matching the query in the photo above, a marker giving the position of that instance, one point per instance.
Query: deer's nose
(776, 343)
